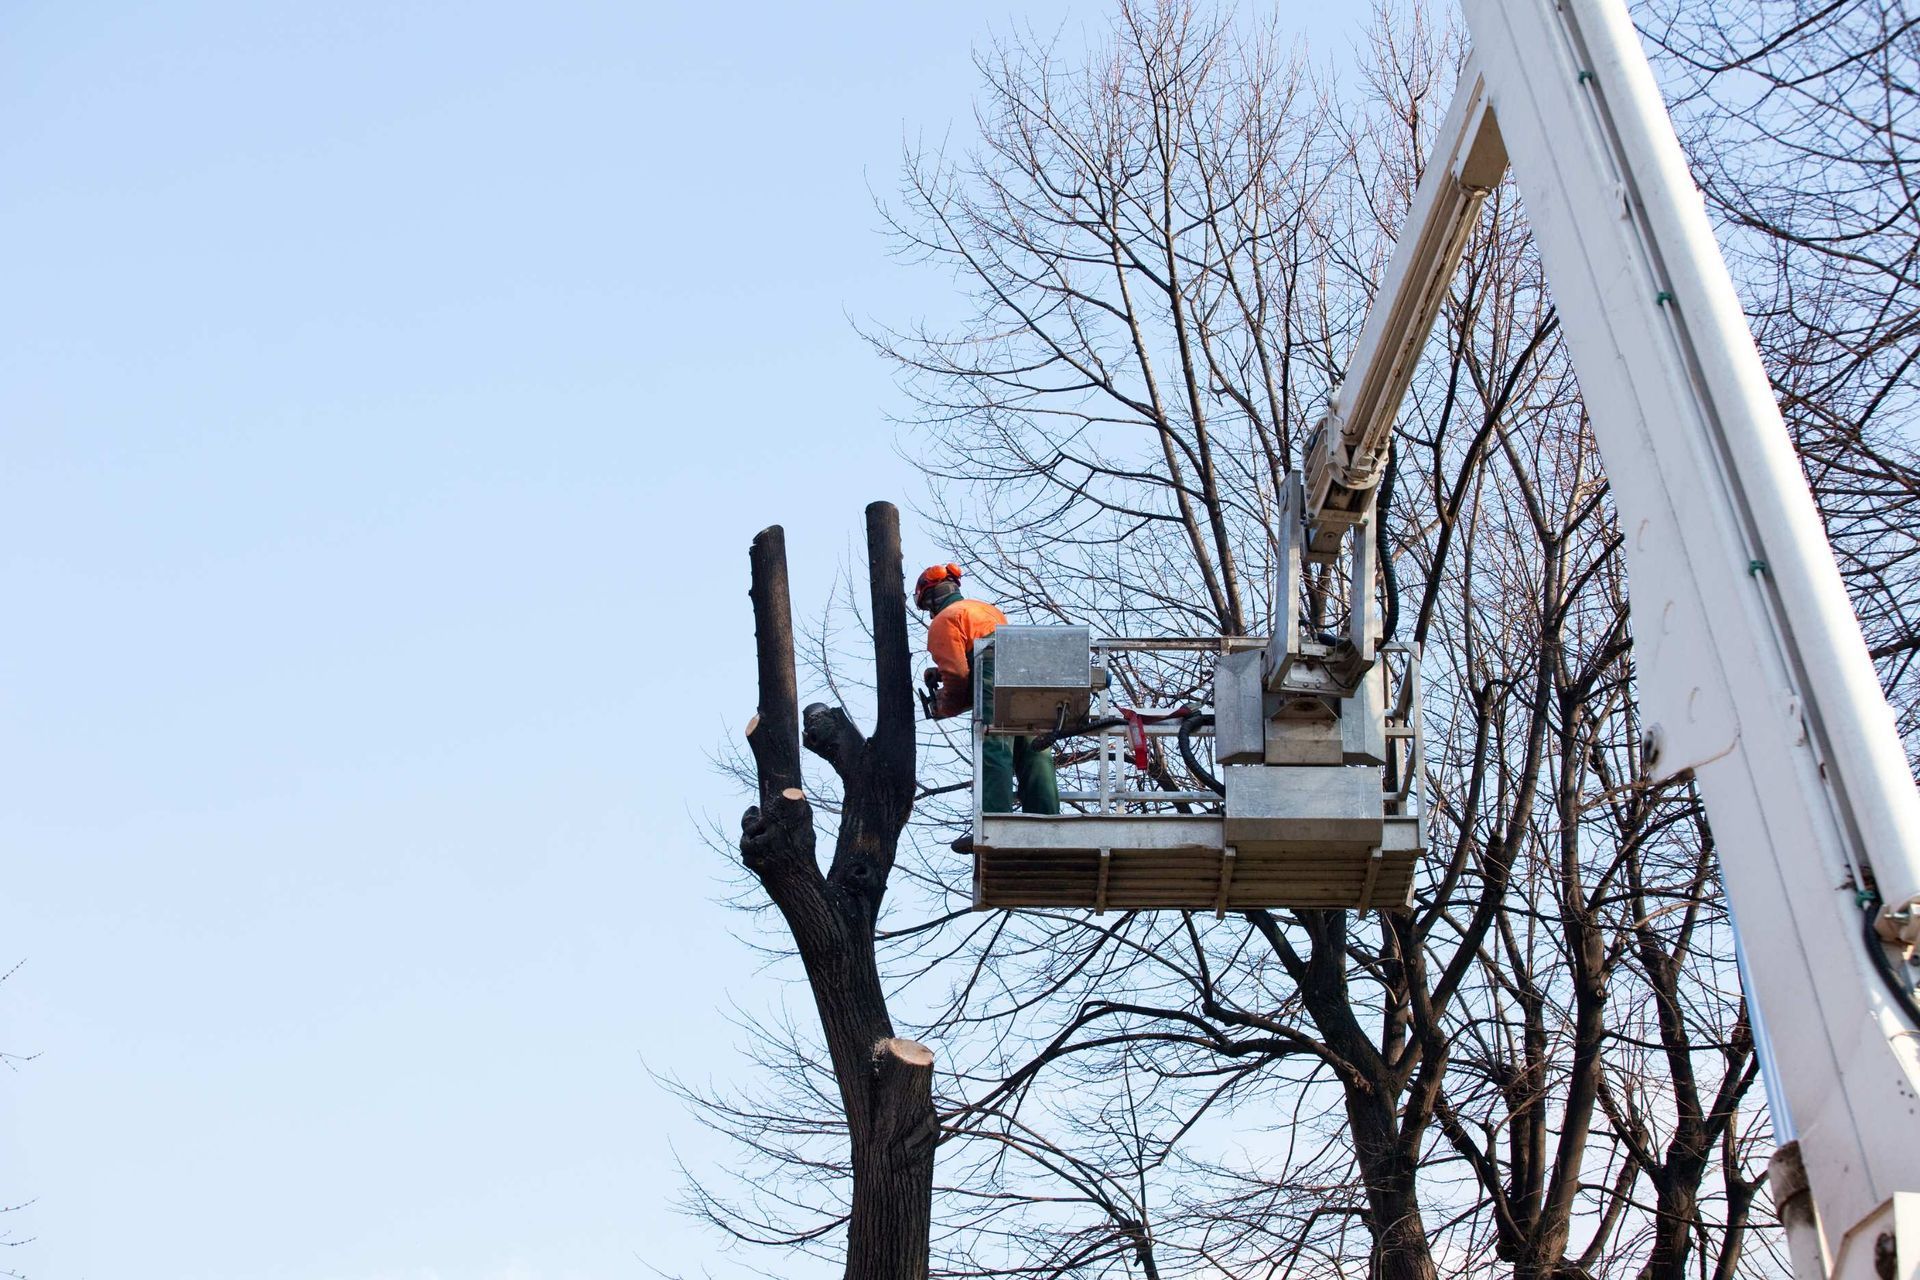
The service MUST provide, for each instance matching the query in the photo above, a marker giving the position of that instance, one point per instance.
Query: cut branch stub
(829, 732)
(903, 1092)
(776, 839)
(909, 1053)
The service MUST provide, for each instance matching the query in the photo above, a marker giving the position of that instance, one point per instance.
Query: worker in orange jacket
(954, 623)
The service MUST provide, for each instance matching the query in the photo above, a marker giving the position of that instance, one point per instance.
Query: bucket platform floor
(1143, 862)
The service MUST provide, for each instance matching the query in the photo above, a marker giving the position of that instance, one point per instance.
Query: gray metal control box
(1310, 806)
(1042, 677)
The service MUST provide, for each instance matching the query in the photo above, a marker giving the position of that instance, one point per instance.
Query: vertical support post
(1106, 772)
(1417, 767)
(979, 744)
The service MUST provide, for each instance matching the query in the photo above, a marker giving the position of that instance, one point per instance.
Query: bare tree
(1168, 253)
(885, 1082)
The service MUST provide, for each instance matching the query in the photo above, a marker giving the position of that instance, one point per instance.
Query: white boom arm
(1753, 674)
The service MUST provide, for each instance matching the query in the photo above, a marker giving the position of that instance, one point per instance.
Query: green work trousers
(1007, 764)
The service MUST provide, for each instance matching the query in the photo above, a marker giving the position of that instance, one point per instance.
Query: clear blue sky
(388, 392)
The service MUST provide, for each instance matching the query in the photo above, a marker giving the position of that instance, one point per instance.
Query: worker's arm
(951, 649)
(953, 697)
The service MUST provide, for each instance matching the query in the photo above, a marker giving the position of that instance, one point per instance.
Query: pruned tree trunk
(886, 1083)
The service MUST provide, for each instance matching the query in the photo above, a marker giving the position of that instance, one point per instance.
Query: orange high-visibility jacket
(950, 638)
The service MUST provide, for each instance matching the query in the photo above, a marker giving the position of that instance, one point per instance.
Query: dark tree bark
(886, 1083)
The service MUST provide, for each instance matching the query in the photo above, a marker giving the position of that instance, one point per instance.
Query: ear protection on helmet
(932, 577)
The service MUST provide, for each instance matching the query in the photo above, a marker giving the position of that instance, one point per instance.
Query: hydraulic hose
(1080, 730)
(1877, 950)
(1198, 720)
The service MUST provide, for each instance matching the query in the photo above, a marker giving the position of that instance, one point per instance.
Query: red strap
(1136, 736)
(1137, 722)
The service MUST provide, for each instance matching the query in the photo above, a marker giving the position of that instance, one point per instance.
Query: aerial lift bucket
(1317, 805)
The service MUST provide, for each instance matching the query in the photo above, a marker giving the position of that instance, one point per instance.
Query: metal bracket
(1226, 882)
(1374, 860)
(1293, 663)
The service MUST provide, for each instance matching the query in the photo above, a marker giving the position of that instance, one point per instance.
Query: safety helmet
(931, 578)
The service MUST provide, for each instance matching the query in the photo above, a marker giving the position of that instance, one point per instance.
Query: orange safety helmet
(931, 578)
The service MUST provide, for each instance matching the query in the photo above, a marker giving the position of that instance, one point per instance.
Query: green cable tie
(1756, 567)
(1663, 297)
